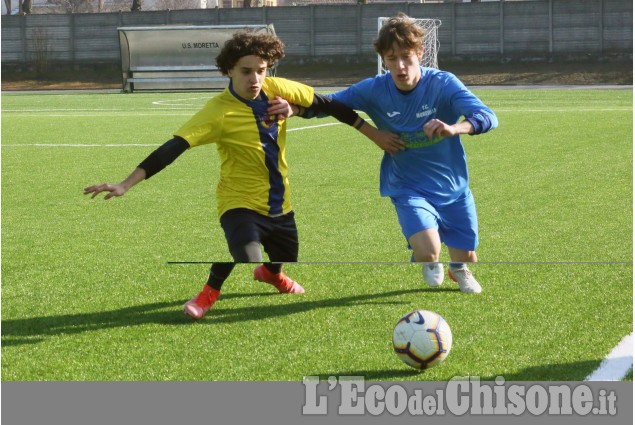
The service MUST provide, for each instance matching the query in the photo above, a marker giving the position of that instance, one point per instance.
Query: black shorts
(277, 235)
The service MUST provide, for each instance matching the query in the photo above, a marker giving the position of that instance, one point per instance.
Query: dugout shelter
(175, 57)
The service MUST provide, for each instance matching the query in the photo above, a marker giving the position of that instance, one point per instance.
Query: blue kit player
(428, 181)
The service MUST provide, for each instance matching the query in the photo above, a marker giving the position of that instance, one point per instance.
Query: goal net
(430, 42)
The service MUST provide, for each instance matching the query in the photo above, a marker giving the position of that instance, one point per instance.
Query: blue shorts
(456, 222)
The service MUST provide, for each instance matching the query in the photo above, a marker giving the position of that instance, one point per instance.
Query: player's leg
(280, 242)
(462, 256)
(418, 220)
(459, 271)
(241, 233)
(426, 246)
(426, 249)
(459, 231)
(201, 303)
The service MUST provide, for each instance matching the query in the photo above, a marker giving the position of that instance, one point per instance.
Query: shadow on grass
(551, 372)
(574, 371)
(32, 330)
(376, 375)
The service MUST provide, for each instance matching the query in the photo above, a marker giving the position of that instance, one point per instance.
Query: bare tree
(72, 6)
(253, 3)
(177, 4)
(115, 5)
(137, 5)
(40, 43)
(27, 7)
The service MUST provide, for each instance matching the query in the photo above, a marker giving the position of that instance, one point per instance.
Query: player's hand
(280, 108)
(387, 141)
(436, 128)
(112, 189)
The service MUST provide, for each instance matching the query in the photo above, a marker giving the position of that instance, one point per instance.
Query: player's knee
(247, 252)
(425, 256)
(426, 246)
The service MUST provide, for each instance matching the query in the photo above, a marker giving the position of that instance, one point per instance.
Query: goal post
(430, 42)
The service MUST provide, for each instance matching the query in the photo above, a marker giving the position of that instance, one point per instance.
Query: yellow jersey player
(247, 124)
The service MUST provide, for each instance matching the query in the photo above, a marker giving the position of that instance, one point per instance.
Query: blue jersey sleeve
(355, 96)
(465, 103)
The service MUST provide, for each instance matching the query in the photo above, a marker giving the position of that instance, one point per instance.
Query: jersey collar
(261, 97)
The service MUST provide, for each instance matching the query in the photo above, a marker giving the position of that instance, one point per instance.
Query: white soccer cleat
(433, 274)
(463, 276)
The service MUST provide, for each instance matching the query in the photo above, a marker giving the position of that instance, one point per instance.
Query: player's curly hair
(401, 29)
(245, 43)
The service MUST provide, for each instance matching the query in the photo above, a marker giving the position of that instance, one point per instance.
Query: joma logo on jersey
(426, 112)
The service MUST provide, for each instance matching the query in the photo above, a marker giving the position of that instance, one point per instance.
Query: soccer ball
(422, 339)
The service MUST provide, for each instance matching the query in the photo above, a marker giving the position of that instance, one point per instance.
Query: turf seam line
(590, 263)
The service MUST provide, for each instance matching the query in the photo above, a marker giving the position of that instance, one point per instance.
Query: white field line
(109, 113)
(169, 101)
(99, 110)
(313, 126)
(80, 145)
(522, 111)
(123, 145)
(616, 364)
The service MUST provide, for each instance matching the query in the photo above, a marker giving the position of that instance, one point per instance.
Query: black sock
(274, 268)
(218, 273)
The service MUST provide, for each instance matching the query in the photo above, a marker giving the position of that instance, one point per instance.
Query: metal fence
(491, 30)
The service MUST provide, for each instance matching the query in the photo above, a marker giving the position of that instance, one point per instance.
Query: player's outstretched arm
(163, 156)
(117, 189)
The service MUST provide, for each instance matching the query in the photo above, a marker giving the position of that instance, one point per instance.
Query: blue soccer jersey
(433, 169)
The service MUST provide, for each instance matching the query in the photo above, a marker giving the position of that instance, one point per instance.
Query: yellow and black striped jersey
(251, 145)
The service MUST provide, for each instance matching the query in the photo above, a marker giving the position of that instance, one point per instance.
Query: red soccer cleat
(200, 304)
(281, 281)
